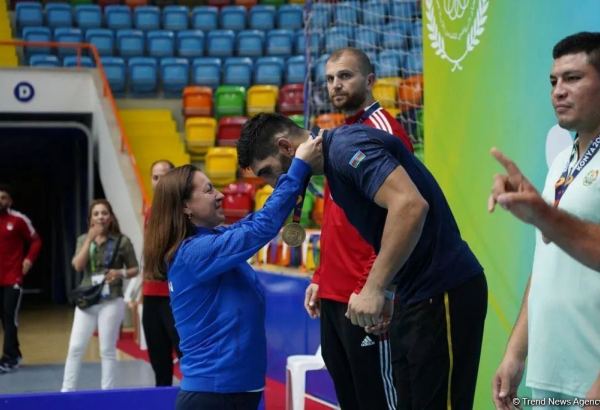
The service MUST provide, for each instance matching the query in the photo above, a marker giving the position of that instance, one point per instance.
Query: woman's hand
(113, 275)
(94, 231)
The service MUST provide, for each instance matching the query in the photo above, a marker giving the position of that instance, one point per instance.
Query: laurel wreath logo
(437, 39)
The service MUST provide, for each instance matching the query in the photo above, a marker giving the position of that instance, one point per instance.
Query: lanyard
(571, 172)
(108, 253)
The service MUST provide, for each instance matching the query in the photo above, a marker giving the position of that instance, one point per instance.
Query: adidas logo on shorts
(367, 341)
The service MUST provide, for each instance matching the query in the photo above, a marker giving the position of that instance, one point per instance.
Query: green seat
(298, 119)
(79, 2)
(230, 100)
(272, 2)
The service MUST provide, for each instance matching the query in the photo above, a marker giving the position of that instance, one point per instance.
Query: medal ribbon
(300, 201)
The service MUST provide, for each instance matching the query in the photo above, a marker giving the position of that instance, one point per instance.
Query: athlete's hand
(386, 319)
(26, 266)
(506, 382)
(311, 151)
(312, 302)
(364, 309)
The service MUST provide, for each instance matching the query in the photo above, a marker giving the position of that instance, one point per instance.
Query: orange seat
(410, 92)
(333, 120)
(230, 129)
(197, 101)
(135, 3)
(246, 3)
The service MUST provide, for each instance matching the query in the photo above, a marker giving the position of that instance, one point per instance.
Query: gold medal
(293, 234)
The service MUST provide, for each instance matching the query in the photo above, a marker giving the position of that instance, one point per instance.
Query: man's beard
(353, 102)
(286, 162)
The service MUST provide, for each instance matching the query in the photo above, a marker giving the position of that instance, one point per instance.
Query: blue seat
(67, 35)
(416, 35)
(130, 43)
(58, 15)
(88, 16)
(44, 60)
(290, 16)
(250, 43)
(233, 18)
(160, 43)
(338, 37)
(37, 34)
(413, 63)
(28, 14)
(346, 13)
(366, 38)
(220, 43)
(205, 18)
(262, 17)
(206, 71)
(175, 18)
(319, 69)
(295, 70)
(102, 38)
(117, 17)
(115, 71)
(405, 9)
(143, 75)
(280, 43)
(175, 74)
(300, 42)
(146, 18)
(268, 70)
(390, 63)
(190, 43)
(321, 16)
(396, 34)
(374, 12)
(84, 61)
(238, 71)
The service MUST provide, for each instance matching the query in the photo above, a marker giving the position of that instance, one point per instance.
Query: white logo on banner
(455, 27)
(24, 92)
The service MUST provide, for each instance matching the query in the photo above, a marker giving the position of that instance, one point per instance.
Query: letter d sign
(24, 92)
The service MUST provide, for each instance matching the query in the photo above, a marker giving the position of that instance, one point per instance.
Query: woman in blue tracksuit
(216, 299)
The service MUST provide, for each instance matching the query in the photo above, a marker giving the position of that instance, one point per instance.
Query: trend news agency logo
(24, 92)
(454, 27)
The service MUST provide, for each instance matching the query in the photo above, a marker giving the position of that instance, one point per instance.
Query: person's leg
(244, 401)
(190, 400)
(157, 339)
(109, 323)
(334, 355)
(10, 311)
(84, 324)
(169, 324)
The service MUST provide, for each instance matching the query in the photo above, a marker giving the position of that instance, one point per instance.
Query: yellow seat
(221, 165)
(261, 98)
(261, 196)
(385, 91)
(394, 112)
(145, 116)
(200, 134)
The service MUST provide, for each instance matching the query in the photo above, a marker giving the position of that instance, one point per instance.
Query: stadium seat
(190, 43)
(300, 42)
(130, 43)
(414, 63)
(147, 18)
(374, 12)
(200, 133)
(261, 98)
(238, 71)
(405, 9)
(320, 68)
(338, 37)
(367, 38)
(238, 201)
(268, 70)
(218, 3)
(220, 43)
(197, 101)
(175, 74)
(261, 196)
(233, 18)
(290, 17)
(410, 92)
(175, 18)
(28, 14)
(298, 120)
(67, 35)
(250, 43)
(143, 76)
(395, 36)
(205, 18)
(280, 43)
(206, 71)
(230, 130)
(80, 2)
(346, 13)
(246, 3)
(321, 16)
(135, 3)
(262, 17)
(389, 63)
(115, 70)
(160, 43)
(37, 34)
(72, 61)
(88, 16)
(58, 15)
(275, 3)
(291, 99)
(230, 100)
(329, 121)
(44, 60)
(117, 17)
(105, 3)
(295, 70)
(102, 38)
(221, 165)
(385, 91)
(416, 35)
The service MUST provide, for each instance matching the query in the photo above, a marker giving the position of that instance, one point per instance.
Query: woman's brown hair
(113, 227)
(168, 226)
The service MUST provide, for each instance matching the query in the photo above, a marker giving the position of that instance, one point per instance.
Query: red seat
(238, 201)
(291, 99)
(135, 3)
(246, 3)
(230, 129)
(104, 3)
(219, 3)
